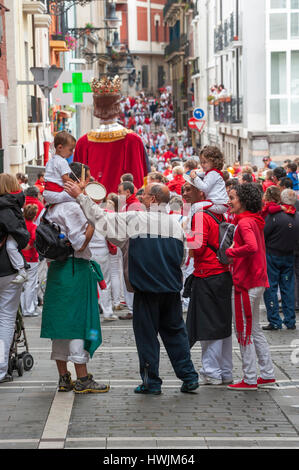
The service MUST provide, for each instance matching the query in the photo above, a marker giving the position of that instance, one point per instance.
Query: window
(278, 26)
(157, 30)
(278, 73)
(144, 76)
(283, 69)
(278, 4)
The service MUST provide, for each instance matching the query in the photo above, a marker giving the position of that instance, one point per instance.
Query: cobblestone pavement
(33, 415)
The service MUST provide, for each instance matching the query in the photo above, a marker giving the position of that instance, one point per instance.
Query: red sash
(56, 188)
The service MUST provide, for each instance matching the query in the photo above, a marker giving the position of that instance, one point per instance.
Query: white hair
(288, 196)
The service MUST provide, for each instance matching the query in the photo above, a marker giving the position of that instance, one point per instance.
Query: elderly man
(209, 318)
(155, 251)
(281, 236)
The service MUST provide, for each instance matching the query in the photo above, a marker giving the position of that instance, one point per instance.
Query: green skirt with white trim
(71, 309)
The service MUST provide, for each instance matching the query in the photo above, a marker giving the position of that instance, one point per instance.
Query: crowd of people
(153, 120)
(159, 279)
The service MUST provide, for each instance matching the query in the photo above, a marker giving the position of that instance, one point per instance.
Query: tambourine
(96, 191)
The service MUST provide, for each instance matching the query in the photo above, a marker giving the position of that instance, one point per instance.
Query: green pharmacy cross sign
(77, 87)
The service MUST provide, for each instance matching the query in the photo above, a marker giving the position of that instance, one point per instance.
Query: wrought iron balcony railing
(229, 110)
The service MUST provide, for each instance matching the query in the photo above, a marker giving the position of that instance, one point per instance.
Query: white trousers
(217, 360)
(105, 296)
(69, 350)
(116, 267)
(258, 351)
(42, 277)
(9, 302)
(14, 255)
(30, 289)
(187, 270)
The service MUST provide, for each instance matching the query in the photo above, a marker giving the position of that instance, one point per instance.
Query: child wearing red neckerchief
(211, 182)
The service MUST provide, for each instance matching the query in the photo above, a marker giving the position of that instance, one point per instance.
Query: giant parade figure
(111, 150)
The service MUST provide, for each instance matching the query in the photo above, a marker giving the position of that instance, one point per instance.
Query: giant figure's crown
(106, 85)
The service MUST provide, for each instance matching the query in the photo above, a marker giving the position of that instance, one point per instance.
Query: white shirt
(213, 185)
(56, 167)
(73, 224)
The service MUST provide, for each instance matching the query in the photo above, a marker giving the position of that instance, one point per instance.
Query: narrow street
(33, 415)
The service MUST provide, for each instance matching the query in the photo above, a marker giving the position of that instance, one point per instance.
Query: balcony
(34, 7)
(172, 9)
(195, 66)
(225, 35)
(176, 47)
(229, 110)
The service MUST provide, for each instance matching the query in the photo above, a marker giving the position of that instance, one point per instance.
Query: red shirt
(267, 184)
(40, 186)
(206, 232)
(31, 255)
(34, 200)
(249, 253)
(176, 184)
(133, 204)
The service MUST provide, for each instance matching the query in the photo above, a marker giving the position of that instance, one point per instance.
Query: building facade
(27, 34)
(4, 86)
(252, 49)
(145, 33)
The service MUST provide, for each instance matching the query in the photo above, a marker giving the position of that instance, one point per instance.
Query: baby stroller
(19, 361)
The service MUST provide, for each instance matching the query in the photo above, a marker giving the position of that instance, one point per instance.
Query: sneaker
(142, 389)
(65, 383)
(129, 316)
(261, 382)
(20, 278)
(118, 307)
(227, 381)
(291, 327)
(205, 380)
(243, 386)
(6, 378)
(271, 327)
(189, 388)
(90, 386)
(112, 317)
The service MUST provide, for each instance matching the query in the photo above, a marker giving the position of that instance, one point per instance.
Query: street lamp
(58, 7)
(112, 20)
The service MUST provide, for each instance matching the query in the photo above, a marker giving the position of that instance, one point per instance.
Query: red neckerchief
(270, 207)
(289, 209)
(217, 171)
(16, 192)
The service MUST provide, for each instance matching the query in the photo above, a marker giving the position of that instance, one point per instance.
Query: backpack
(226, 237)
(50, 242)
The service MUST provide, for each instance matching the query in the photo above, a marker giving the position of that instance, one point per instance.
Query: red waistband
(56, 188)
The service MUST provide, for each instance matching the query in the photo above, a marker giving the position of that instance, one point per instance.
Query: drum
(96, 191)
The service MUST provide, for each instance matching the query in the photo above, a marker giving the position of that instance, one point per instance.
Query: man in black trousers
(152, 242)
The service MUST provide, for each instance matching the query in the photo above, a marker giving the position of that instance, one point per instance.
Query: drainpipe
(237, 62)
(35, 91)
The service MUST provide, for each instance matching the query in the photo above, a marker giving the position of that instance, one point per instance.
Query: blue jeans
(280, 273)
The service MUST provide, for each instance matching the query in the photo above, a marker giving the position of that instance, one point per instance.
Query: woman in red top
(209, 318)
(29, 299)
(250, 279)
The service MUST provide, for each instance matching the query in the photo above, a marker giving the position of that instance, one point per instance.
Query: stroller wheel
(20, 367)
(28, 361)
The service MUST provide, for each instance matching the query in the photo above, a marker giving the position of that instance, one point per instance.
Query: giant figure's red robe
(111, 154)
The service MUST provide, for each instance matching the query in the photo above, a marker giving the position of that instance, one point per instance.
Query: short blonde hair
(178, 170)
(8, 184)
